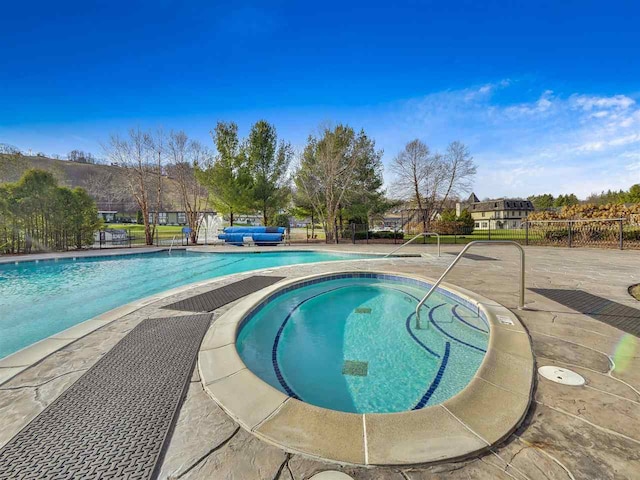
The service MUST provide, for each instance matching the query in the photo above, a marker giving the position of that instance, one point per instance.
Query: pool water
(41, 299)
(351, 344)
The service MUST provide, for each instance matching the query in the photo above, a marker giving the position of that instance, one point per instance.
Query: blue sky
(545, 93)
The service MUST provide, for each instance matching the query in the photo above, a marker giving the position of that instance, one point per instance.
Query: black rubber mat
(473, 256)
(213, 299)
(612, 313)
(114, 421)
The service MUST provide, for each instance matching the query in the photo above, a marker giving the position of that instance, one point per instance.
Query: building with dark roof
(505, 213)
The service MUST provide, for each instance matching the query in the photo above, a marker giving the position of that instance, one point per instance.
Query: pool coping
(30, 355)
(126, 251)
(455, 429)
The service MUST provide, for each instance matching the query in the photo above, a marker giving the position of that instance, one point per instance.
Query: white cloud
(554, 142)
(588, 103)
(625, 140)
(542, 105)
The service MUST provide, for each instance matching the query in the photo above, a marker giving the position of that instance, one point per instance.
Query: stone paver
(570, 432)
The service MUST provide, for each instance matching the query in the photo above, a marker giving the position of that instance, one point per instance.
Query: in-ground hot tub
(352, 344)
(334, 366)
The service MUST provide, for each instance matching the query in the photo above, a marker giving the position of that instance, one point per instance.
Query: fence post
(353, 233)
(129, 235)
(570, 234)
(489, 224)
(367, 229)
(621, 235)
(526, 232)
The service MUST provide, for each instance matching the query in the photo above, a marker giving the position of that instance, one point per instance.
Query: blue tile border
(436, 381)
(276, 343)
(473, 307)
(457, 316)
(416, 339)
(433, 322)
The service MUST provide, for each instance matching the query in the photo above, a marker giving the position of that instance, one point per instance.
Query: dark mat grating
(213, 299)
(473, 256)
(612, 313)
(113, 422)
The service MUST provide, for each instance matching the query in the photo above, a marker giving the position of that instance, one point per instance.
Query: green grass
(135, 228)
(514, 234)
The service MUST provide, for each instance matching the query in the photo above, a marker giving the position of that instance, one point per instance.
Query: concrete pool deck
(569, 432)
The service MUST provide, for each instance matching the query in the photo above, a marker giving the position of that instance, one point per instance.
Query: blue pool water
(41, 299)
(351, 344)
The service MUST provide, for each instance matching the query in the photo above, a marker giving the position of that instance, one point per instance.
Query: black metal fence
(605, 233)
(361, 233)
(127, 237)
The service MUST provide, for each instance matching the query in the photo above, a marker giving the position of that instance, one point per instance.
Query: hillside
(105, 183)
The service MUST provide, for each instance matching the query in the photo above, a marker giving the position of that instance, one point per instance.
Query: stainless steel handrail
(172, 240)
(423, 234)
(467, 247)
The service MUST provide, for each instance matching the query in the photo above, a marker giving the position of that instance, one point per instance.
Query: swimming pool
(39, 299)
(349, 342)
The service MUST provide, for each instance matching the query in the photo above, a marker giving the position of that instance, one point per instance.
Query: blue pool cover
(259, 235)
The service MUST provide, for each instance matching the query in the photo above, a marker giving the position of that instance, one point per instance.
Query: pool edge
(32, 354)
(366, 439)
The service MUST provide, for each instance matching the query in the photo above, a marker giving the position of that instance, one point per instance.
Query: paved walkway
(590, 432)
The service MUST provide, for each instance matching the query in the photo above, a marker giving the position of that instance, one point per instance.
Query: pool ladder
(172, 240)
(423, 234)
(457, 259)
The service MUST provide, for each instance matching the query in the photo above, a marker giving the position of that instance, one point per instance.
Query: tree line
(335, 180)
(37, 214)
(547, 201)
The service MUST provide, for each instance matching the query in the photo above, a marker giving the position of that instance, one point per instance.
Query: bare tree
(459, 172)
(106, 188)
(156, 146)
(140, 154)
(328, 169)
(411, 167)
(429, 180)
(81, 157)
(185, 157)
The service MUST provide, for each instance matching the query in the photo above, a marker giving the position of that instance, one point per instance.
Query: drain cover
(331, 475)
(561, 375)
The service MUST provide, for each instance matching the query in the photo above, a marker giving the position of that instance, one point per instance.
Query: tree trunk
(313, 226)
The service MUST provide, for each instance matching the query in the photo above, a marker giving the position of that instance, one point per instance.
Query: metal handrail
(423, 234)
(467, 247)
(172, 240)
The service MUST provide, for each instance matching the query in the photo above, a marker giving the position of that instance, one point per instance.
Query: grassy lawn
(513, 234)
(135, 228)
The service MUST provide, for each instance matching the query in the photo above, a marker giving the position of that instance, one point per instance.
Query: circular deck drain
(561, 375)
(331, 475)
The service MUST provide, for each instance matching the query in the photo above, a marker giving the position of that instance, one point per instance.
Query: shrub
(362, 235)
(557, 234)
(281, 220)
